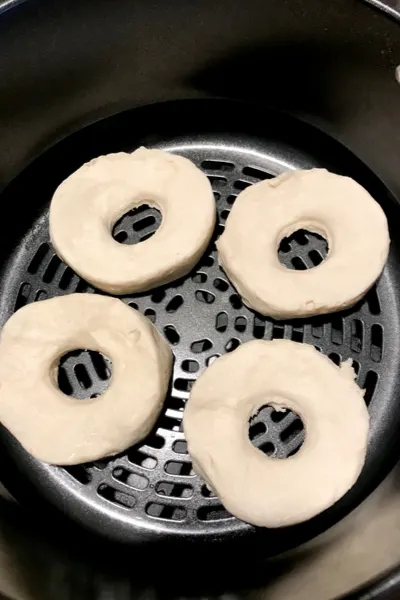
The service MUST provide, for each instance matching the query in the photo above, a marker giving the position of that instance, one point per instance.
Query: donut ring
(335, 207)
(265, 491)
(86, 206)
(57, 428)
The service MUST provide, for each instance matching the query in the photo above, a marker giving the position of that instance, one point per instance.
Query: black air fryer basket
(246, 91)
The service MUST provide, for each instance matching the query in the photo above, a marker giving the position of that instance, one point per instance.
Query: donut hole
(278, 434)
(137, 225)
(302, 250)
(84, 374)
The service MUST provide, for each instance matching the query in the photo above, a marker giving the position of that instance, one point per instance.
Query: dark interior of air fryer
(151, 490)
(149, 497)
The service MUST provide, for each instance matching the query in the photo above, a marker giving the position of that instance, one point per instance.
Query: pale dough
(265, 491)
(63, 430)
(86, 206)
(337, 208)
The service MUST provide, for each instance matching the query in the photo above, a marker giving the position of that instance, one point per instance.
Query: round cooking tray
(150, 491)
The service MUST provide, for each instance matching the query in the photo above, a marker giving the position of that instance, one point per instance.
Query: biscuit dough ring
(333, 206)
(60, 429)
(266, 491)
(86, 206)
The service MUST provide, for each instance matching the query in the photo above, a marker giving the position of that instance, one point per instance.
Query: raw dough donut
(86, 206)
(62, 430)
(337, 208)
(266, 491)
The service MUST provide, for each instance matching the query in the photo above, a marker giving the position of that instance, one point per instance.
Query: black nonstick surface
(150, 492)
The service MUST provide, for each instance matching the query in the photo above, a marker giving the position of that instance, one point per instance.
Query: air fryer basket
(293, 77)
(151, 490)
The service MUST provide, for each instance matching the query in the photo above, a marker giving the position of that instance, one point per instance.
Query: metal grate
(154, 481)
(303, 250)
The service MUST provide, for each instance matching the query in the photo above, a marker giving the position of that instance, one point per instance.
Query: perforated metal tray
(151, 491)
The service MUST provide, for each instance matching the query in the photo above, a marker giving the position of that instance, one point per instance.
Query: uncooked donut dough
(63, 430)
(266, 491)
(337, 208)
(86, 206)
